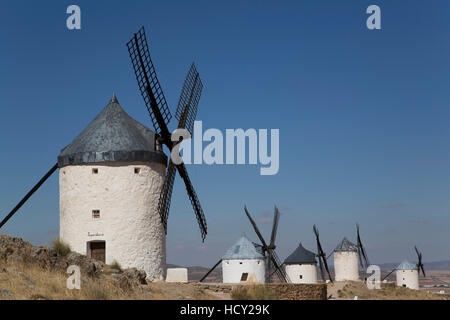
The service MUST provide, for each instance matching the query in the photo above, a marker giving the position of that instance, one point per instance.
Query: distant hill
(434, 265)
(195, 273)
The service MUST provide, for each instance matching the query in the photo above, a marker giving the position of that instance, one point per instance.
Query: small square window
(301, 276)
(95, 171)
(244, 277)
(96, 214)
(137, 170)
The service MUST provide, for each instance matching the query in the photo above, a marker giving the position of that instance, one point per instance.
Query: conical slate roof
(242, 249)
(346, 245)
(406, 265)
(301, 256)
(113, 136)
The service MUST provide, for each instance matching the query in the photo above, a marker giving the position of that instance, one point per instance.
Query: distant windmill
(407, 274)
(272, 262)
(347, 256)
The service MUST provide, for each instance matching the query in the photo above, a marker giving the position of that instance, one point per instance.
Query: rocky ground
(29, 272)
(348, 290)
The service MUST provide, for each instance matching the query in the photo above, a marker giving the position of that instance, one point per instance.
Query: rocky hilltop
(39, 272)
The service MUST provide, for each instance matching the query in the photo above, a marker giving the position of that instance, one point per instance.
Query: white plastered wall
(302, 273)
(346, 266)
(232, 270)
(129, 222)
(409, 278)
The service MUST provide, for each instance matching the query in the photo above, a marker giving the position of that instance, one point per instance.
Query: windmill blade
(326, 267)
(322, 272)
(190, 96)
(29, 194)
(148, 83)
(319, 246)
(210, 270)
(282, 276)
(361, 251)
(419, 263)
(276, 218)
(194, 199)
(423, 270)
(270, 263)
(186, 113)
(166, 195)
(388, 274)
(255, 227)
(321, 255)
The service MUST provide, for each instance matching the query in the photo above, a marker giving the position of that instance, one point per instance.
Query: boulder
(88, 266)
(130, 278)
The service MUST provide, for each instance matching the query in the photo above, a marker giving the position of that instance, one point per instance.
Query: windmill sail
(160, 115)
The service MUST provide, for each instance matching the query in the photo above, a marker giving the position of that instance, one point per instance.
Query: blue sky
(362, 114)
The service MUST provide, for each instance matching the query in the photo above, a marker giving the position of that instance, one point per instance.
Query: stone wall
(300, 291)
(284, 291)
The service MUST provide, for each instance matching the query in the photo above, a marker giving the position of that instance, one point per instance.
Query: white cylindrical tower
(111, 177)
(242, 263)
(301, 266)
(346, 261)
(407, 275)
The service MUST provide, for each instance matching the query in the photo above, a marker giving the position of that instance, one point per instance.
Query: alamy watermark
(374, 280)
(235, 147)
(74, 280)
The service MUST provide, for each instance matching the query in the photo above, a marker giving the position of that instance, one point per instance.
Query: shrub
(240, 293)
(255, 292)
(262, 293)
(116, 265)
(62, 248)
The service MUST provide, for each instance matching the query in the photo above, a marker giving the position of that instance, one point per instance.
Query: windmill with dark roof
(115, 184)
(346, 261)
(348, 257)
(301, 266)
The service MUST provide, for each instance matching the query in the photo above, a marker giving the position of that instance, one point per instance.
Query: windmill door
(97, 250)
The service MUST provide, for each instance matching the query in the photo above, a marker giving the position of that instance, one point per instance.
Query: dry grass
(24, 282)
(30, 282)
(61, 247)
(253, 292)
(359, 289)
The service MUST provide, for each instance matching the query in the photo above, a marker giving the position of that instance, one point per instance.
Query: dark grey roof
(346, 245)
(242, 249)
(113, 136)
(301, 256)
